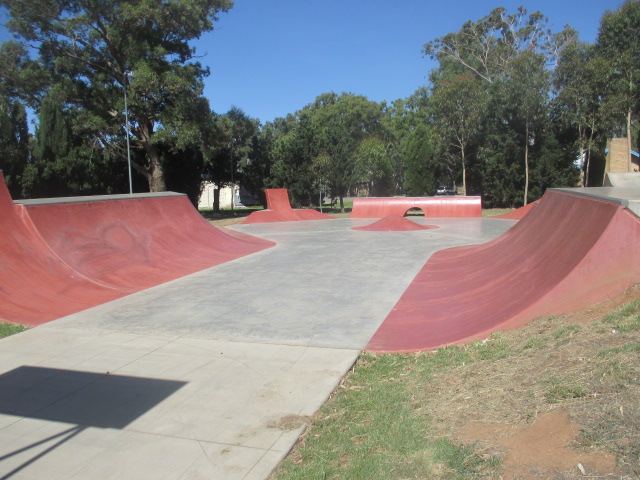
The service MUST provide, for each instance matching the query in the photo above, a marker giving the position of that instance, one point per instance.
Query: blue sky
(272, 57)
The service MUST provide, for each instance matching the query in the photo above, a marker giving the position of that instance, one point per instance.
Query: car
(443, 190)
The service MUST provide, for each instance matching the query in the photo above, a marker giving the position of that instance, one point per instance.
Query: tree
(459, 108)
(487, 46)
(341, 123)
(93, 51)
(14, 144)
(584, 99)
(293, 151)
(373, 166)
(235, 132)
(619, 43)
(422, 168)
(400, 119)
(527, 87)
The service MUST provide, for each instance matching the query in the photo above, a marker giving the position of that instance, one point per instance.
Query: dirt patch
(291, 422)
(561, 404)
(543, 449)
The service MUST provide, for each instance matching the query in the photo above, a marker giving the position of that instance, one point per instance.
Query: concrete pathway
(211, 376)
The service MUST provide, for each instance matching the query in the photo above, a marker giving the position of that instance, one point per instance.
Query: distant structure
(241, 197)
(618, 158)
(621, 169)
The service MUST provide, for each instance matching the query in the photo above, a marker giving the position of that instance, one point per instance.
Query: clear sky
(272, 57)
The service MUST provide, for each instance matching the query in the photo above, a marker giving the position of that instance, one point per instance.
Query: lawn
(462, 412)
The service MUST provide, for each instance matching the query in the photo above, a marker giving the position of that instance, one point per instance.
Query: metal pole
(126, 127)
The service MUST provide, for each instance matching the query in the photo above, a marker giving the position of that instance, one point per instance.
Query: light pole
(126, 127)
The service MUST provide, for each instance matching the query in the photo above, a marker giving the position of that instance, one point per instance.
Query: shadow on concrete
(83, 399)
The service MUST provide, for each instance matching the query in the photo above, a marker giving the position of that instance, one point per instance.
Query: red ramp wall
(279, 210)
(433, 207)
(278, 199)
(569, 252)
(133, 243)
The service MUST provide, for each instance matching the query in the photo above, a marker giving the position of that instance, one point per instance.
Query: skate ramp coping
(571, 251)
(433, 207)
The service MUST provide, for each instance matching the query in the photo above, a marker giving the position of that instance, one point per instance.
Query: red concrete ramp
(569, 252)
(433, 207)
(278, 199)
(35, 285)
(61, 258)
(136, 242)
(279, 210)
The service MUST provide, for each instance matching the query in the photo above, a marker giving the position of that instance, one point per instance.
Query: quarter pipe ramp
(569, 252)
(62, 256)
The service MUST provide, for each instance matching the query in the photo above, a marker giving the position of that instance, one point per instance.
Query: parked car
(442, 190)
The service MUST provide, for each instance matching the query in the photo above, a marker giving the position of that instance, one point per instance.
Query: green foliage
(14, 144)
(7, 329)
(422, 170)
(618, 45)
(318, 147)
(93, 52)
(374, 167)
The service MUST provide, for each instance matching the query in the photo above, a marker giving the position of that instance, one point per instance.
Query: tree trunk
(464, 171)
(216, 199)
(526, 165)
(588, 162)
(341, 203)
(629, 138)
(583, 158)
(155, 175)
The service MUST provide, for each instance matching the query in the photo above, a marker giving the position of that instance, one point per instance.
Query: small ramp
(279, 210)
(569, 252)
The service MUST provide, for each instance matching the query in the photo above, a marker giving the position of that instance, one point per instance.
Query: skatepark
(165, 348)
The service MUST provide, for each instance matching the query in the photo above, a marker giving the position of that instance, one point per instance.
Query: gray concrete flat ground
(210, 376)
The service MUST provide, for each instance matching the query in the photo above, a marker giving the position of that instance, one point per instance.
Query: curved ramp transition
(518, 213)
(61, 256)
(393, 223)
(279, 210)
(433, 207)
(569, 252)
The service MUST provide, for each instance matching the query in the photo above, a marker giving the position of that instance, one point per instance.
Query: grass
(402, 416)
(492, 212)
(7, 329)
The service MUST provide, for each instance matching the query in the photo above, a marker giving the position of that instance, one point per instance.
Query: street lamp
(126, 127)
